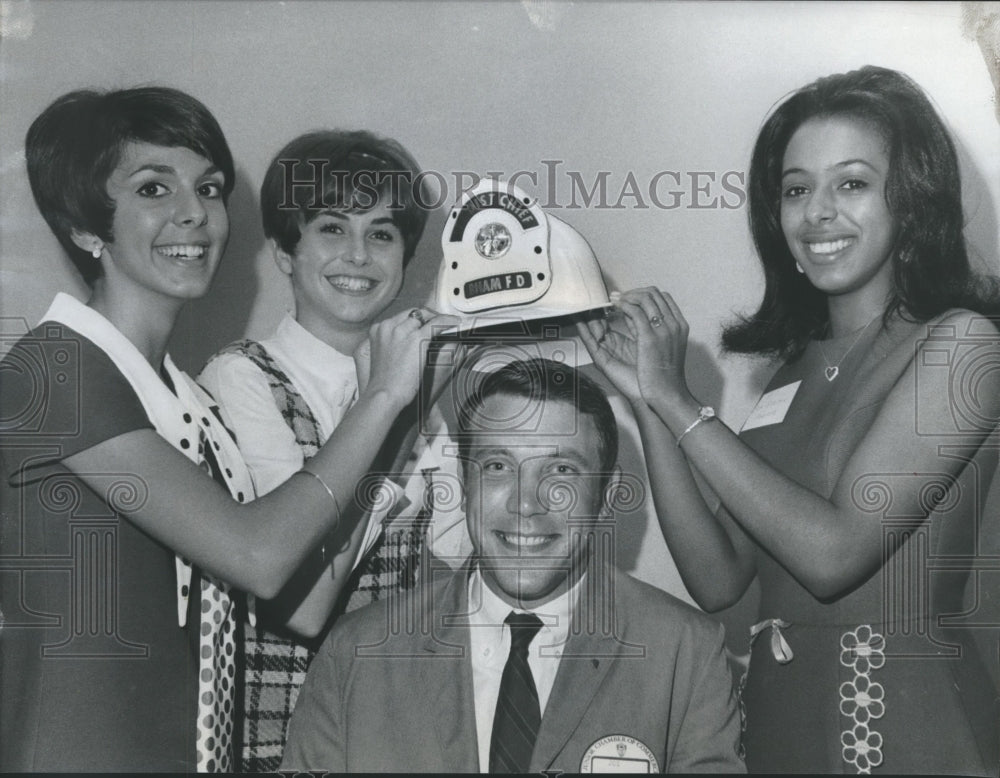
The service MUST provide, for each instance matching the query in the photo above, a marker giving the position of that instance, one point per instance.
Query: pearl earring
(97, 251)
(799, 267)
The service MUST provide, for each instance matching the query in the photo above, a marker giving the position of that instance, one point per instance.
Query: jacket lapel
(450, 707)
(592, 648)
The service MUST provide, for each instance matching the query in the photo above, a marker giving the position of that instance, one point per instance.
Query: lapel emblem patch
(619, 754)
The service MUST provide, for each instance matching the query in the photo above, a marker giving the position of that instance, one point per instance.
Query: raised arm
(257, 546)
(305, 603)
(828, 545)
(712, 554)
(272, 454)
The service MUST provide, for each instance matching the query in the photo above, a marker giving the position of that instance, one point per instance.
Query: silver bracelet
(333, 497)
(705, 413)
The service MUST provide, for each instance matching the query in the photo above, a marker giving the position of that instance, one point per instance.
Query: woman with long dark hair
(864, 464)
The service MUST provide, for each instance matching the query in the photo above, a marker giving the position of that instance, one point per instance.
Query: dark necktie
(516, 721)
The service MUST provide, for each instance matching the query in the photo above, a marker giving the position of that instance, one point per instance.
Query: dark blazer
(391, 689)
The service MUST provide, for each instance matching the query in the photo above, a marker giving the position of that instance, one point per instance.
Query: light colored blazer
(391, 689)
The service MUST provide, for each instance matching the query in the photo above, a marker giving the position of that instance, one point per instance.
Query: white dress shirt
(490, 646)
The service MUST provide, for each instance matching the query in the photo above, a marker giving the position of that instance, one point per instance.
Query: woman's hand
(398, 353)
(661, 343)
(614, 352)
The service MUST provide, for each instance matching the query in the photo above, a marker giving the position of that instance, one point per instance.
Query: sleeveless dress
(886, 677)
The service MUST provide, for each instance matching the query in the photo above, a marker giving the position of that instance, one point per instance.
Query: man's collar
(488, 609)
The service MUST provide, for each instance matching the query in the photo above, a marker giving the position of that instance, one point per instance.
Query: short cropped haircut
(547, 381)
(344, 170)
(75, 144)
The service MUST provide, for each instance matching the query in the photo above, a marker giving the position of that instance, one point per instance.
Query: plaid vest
(275, 665)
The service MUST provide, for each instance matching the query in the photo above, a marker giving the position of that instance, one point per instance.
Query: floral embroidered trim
(862, 700)
(862, 649)
(862, 748)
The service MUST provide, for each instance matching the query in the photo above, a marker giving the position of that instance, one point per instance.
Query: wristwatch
(705, 413)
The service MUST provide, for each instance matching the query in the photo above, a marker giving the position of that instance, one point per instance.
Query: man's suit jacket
(391, 689)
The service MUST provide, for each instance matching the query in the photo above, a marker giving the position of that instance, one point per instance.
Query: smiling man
(537, 655)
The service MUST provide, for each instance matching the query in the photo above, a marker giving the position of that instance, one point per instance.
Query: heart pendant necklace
(832, 371)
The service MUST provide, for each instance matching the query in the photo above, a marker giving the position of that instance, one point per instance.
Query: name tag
(772, 407)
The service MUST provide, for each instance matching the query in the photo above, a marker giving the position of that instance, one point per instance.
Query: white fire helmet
(506, 261)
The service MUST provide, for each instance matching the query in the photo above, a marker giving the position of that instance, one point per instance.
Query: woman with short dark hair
(342, 213)
(122, 491)
(342, 170)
